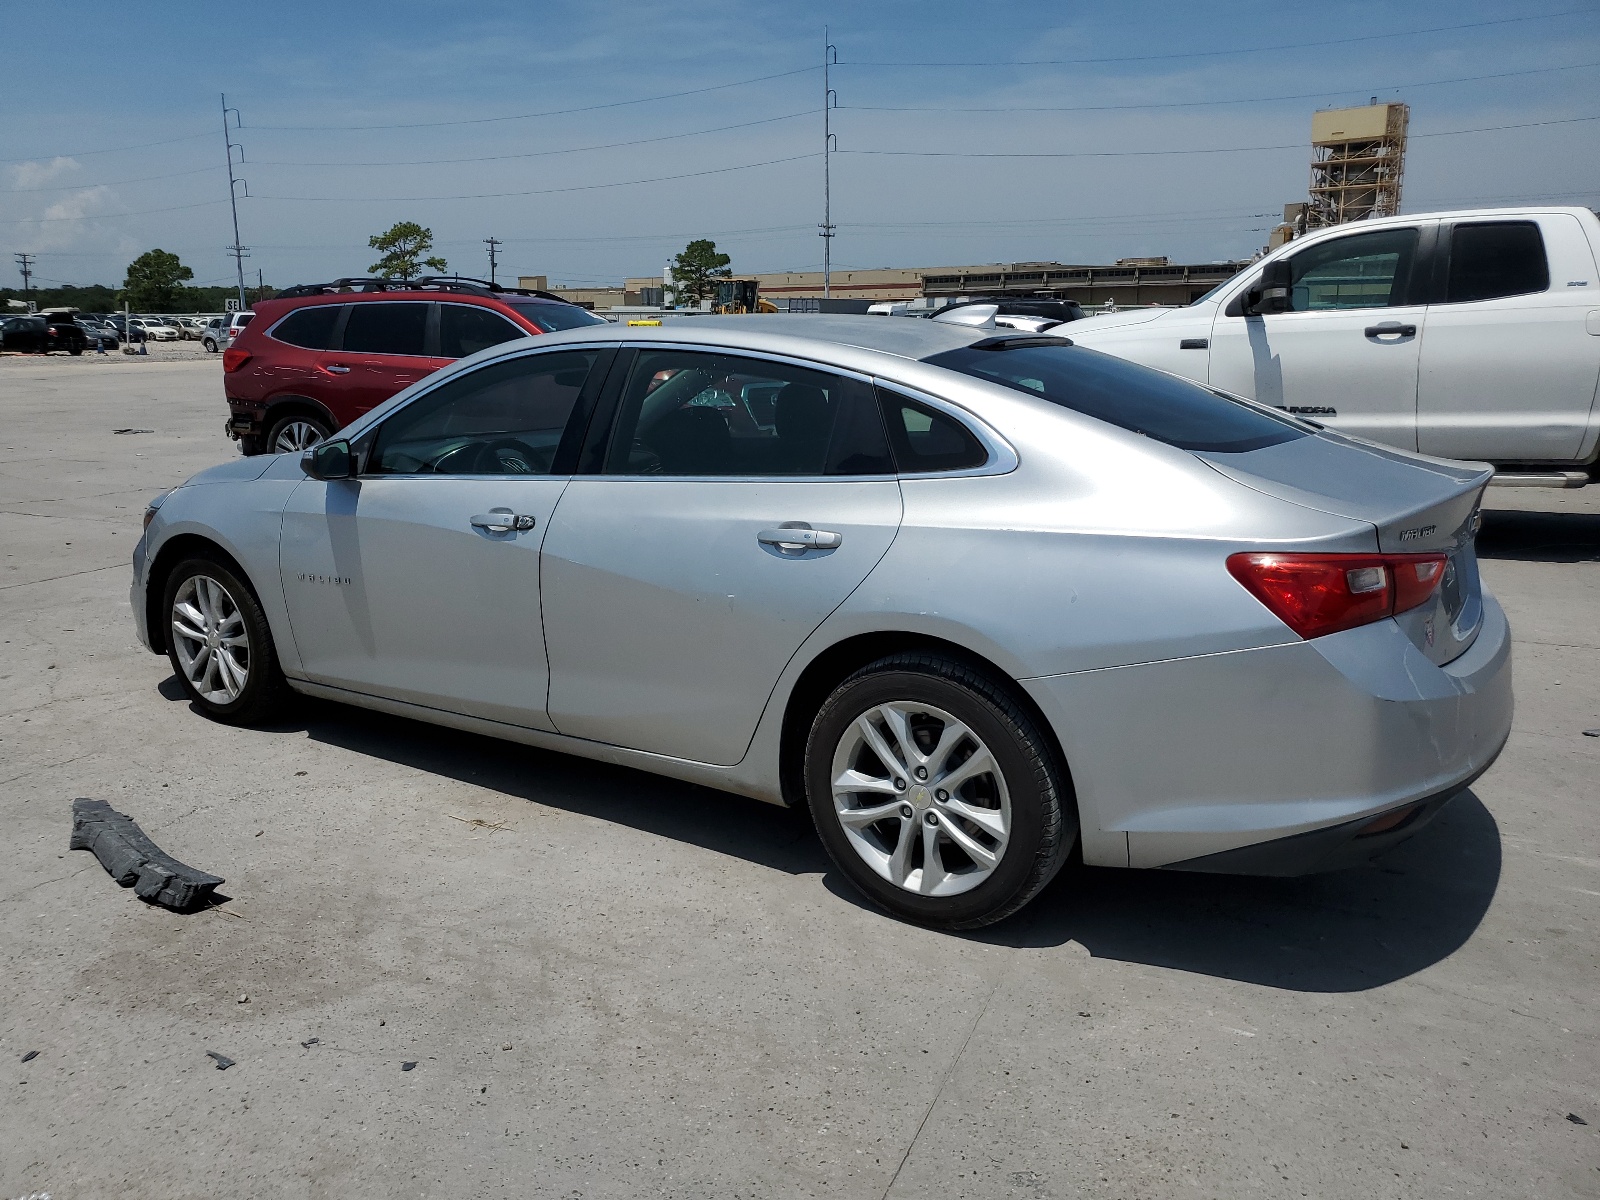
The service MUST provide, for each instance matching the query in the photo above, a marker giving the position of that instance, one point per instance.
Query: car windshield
(550, 315)
(1124, 394)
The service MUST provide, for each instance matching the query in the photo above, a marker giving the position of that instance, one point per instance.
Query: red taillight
(1317, 594)
(233, 358)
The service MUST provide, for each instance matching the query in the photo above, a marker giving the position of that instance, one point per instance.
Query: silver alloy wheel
(209, 636)
(921, 799)
(296, 435)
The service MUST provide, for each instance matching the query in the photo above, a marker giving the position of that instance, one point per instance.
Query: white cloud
(26, 176)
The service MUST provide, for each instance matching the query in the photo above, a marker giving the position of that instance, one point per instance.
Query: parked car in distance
(978, 600)
(190, 328)
(1469, 335)
(1031, 314)
(99, 333)
(155, 329)
(214, 336)
(323, 354)
(42, 333)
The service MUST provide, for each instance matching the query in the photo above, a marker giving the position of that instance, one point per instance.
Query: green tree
(696, 271)
(154, 282)
(403, 245)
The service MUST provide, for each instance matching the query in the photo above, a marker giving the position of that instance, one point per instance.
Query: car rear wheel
(936, 794)
(220, 645)
(295, 433)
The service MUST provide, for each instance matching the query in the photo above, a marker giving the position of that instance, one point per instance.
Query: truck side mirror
(1271, 295)
(329, 460)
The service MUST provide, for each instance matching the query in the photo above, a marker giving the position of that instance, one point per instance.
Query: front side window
(1365, 270)
(1125, 394)
(694, 413)
(466, 328)
(386, 328)
(309, 328)
(505, 418)
(1494, 259)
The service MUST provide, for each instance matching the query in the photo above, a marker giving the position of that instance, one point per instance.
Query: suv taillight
(233, 358)
(1317, 594)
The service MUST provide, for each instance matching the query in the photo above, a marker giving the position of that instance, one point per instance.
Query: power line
(79, 187)
(1157, 153)
(105, 216)
(434, 162)
(589, 187)
(1368, 37)
(107, 150)
(1212, 103)
(554, 112)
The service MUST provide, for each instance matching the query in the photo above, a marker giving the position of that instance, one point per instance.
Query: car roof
(803, 334)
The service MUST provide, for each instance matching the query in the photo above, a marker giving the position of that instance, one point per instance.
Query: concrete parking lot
(614, 985)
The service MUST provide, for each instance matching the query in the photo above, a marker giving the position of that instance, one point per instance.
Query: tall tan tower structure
(1358, 158)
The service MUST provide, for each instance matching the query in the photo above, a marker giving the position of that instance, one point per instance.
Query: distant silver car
(977, 598)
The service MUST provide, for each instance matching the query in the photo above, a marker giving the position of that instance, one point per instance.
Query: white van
(1470, 334)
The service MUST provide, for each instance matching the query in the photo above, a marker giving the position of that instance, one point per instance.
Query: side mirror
(1271, 295)
(329, 460)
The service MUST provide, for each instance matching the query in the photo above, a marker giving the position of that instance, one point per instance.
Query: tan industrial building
(1129, 281)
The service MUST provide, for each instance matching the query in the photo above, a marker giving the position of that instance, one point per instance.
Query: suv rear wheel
(295, 432)
(935, 793)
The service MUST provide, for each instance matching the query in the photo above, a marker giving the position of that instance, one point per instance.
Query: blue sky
(445, 89)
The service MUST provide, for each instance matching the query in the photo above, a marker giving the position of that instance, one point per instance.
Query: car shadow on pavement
(1540, 536)
(1340, 932)
(1344, 931)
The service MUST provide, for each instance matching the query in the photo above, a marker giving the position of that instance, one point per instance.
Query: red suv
(317, 356)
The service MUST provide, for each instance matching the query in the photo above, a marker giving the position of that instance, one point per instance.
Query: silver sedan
(979, 598)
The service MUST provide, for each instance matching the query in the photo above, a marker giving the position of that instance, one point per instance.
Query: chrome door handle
(503, 520)
(797, 535)
(1391, 327)
(336, 369)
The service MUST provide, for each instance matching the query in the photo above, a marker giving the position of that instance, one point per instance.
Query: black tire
(210, 346)
(1044, 815)
(269, 444)
(75, 351)
(264, 692)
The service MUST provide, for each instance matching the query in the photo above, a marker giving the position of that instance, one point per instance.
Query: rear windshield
(549, 315)
(1136, 398)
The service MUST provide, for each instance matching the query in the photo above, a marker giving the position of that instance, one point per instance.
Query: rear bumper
(1273, 760)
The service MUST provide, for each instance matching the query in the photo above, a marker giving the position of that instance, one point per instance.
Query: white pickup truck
(1469, 335)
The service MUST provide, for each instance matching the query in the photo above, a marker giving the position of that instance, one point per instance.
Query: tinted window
(506, 418)
(465, 329)
(386, 328)
(311, 328)
(1502, 259)
(1365, 270)
(551, 315)
(1124, 394)
(687, 413)
(928, 440)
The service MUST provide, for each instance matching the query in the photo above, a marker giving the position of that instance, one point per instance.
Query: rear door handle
(795, 536)
(1391, 327)
(503, 520)
(336, 369)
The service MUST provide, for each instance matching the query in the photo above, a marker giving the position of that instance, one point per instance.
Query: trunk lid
(1414, 504)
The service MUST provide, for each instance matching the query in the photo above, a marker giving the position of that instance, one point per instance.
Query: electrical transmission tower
(239, 252)
(494, 244)
(25, 264)
(830, 55)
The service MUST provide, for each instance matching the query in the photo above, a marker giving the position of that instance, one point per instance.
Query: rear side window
(1503, 258)
(550, 315)
(925, 439)
(465, 329)
(386, 328)
(310, 328)
(1121, 393)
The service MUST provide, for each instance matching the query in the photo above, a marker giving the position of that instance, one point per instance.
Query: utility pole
(239, 252)
(261, 288)
(25, 262)
(830, 55)
(494, 244)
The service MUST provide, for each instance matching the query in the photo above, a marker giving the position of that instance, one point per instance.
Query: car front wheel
(936, 794)
(220, 645)
(295, 433)
(209, 345)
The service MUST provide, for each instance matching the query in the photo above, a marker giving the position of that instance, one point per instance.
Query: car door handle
(336, 369)
(503, 520)
(1388, 327)
(799, 536)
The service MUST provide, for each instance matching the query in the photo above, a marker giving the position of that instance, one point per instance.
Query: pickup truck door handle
(1391, 327)
(503, 520)
(336, 369)
(793, 537)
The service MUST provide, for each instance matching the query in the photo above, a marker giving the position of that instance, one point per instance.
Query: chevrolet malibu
(982, 600)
